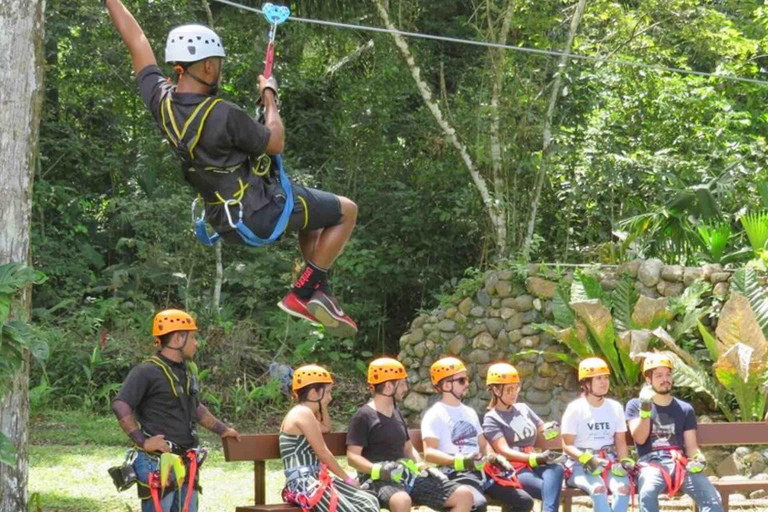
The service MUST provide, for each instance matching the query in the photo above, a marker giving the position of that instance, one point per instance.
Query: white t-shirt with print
(455, 427)
(594, 427)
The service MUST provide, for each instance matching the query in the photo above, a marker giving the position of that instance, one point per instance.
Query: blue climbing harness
(249, 238)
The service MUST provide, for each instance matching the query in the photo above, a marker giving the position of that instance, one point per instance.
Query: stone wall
(493, 322)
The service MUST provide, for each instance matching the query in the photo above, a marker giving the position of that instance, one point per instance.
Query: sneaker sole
(333, 325)
(291, 312)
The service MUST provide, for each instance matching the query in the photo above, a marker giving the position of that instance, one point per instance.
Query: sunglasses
(461, 380)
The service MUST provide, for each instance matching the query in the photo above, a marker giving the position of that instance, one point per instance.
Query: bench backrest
(265, 446)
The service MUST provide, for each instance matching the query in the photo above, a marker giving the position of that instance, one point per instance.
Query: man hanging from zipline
(231, 160)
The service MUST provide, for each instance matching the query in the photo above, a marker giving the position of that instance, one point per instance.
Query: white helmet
(190, 43)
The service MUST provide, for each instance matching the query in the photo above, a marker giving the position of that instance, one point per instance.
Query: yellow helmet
(444, 368)
(310, 374)
(384, 369)
(592, 367)
(170, 320)
(502, 373)
(657, 360)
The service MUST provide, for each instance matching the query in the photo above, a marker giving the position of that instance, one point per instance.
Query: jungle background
(462, 160)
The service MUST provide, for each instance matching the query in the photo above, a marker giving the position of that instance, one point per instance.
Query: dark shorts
(312, 209)
(428, 492)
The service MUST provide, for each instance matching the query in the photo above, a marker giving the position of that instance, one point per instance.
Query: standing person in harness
(453, 438)
(307, 461)
(512, 429)
(379, 447)
(664, 430)
(594, 436)
(230, 160)
(158, 408)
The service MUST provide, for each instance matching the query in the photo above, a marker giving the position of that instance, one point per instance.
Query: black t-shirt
(382, 437)
(667, 425)
(230, 145)
(148, 392)
(229, 134)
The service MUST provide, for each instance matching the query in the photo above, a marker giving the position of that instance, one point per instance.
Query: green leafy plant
(16, 335)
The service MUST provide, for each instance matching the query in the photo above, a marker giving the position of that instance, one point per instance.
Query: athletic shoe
(326, 309)
(293, 305)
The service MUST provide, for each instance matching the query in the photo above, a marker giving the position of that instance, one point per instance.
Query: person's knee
(525, 503)
(598, 489)
(463, 497)
(348, 208)
(623, 489)
(400, 502)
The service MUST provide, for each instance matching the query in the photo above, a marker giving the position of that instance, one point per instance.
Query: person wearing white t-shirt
(594, 430)
(453, 439)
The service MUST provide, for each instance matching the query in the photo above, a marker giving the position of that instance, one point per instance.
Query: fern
(700, 382)
(745, 282)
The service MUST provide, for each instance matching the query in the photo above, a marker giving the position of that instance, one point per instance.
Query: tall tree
(21, 95)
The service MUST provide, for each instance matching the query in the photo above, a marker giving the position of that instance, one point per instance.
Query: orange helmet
(170, 320)
(502, 373)
(384, 369)
(657, 360)
(592, 367)
(444, 368)
(310, 374)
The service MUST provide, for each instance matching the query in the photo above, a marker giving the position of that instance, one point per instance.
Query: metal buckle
(195, 218)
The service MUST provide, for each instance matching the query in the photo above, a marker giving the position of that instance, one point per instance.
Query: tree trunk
(496, 208)
(498, 58)
(547, 142)
(21, 99)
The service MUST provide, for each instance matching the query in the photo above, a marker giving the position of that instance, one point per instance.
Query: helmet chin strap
(498, 397)
(394, 392)
(322, 395)
(181, 348)
(454, 394)
(213, 87)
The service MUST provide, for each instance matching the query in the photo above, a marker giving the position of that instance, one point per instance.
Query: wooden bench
(259, 448)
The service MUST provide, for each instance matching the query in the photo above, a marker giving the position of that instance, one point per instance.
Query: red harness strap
(308, 502)
(153, 482)
(496, 474)
(520, 466)
(632, 489)
(674, 481)
(192, 456)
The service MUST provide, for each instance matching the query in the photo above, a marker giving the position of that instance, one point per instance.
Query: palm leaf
(624, 299)
(709, 341)
(715, 239)
(745, 282)
(756, 226)
(560, 309)
(700, 382)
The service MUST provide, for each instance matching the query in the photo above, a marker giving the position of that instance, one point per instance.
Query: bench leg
(567, 503)
(259, 482)
(725, 497)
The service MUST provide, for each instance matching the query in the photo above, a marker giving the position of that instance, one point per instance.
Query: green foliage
(756, 226)
(746, 283)
(16, 335)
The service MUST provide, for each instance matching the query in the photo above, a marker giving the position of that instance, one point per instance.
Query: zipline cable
(535, 51)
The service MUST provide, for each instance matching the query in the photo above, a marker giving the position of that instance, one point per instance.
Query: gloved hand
(267, 83)
(499, 461)
(469, 462)
(697, 463)
(545, 457)
(624, 467)
(646, 397)
(593, 464)
(551, 430)
(392, 471)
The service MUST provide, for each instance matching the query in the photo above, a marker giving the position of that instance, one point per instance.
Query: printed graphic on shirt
(464, 434)
(522, 429)
(663, 431)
